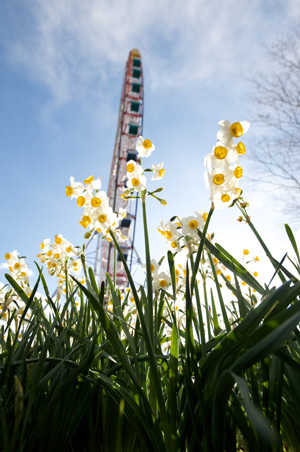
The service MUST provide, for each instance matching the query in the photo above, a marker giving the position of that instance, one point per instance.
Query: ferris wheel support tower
(130, 126)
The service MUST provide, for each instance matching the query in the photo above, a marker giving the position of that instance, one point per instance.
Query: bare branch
(276, 96)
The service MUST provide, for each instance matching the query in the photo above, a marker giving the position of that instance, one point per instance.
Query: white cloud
(72, 45)
(3, 266)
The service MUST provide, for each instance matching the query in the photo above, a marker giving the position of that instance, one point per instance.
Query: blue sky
(62, 66)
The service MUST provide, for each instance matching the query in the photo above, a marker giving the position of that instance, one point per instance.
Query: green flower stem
(207, 310)
(222, 304)
(115, 264)
(200, 317)
(148, 270)
(149, 307)
(200, 248)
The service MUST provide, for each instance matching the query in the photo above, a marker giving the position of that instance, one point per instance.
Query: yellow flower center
(130, 167)
(255, 274)
(152, 268)
(167, 235)
(173, 244)
(241, 148)
(236, 129)
(58, 240)
(23, 274)
(95, 202)
(246, 252)
(49, 253)
(89, 180)
(85, 221)
(215, 260)
(243, 283)
(102, 218)
(228, 278)
(56, 255)
(219, 179)
(220, 152)
(81, 201)
(193, 224)
(225, 197)
(7, 256)
(69, 249)
(69, 191)
(147, 144)
(238, 172)
(17, 265)
(218, 272)
(239, 191)
(204, 216)
(135, 182)
(163, 283)
(161, 172)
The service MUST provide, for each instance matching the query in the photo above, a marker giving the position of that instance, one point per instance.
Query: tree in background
(276, 97)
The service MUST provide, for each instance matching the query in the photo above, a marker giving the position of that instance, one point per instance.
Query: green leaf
(292, 240)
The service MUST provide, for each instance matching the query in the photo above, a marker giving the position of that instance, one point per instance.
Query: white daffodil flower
(122, 212)
(154, 267)
(158, 171)
(221, 179)
(190, 226)
(94, 184)
(161, 280)
(45, 245)
(132, 167)
(174, 246)
(223, 198)
(75, 189)
(136, 182)
(104, 219)
(227, 132)
(201, 217)
(100, 199)
(75, 266)
(12, 257)
(144, 147)
(169, 230)
(220, 157)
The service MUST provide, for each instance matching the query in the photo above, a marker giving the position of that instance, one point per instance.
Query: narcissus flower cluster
(9, 299)
(97, 213)
(135, 179)
(182, 232)
(60, 255)
(223, 168)
(18, 268)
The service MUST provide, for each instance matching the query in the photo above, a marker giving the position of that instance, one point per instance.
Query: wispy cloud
(3, 266)
(70, 46)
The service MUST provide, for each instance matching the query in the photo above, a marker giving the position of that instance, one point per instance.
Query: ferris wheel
(130, 126)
